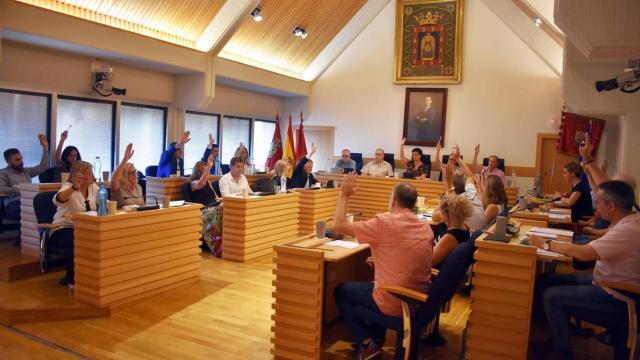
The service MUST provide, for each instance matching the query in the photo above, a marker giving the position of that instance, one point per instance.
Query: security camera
(103, 82)
(628, 81)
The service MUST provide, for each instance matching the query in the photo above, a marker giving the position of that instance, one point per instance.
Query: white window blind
(262, 136)
(90, 125)
(22, 117)
(200, 125)
(143, 126)
(235, 130)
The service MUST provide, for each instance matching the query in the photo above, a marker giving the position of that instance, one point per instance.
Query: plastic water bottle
(514, 178)
(97, 168)
(102, 201)
(283, 183)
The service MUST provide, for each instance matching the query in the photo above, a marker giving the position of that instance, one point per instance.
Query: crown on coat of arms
(429, 18)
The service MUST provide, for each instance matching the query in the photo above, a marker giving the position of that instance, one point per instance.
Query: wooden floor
(225, 315)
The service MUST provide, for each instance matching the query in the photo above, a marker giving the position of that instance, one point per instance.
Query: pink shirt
(402, 248)
(484, 170)
(619, 252)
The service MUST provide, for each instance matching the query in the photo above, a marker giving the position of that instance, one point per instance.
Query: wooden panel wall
(252, 226)
(120, 258)
(299, 279)
(501, 301)
(316, 205)
(161, 187)
(29, 238)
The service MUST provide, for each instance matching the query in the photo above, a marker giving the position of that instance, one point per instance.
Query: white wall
(507, 93)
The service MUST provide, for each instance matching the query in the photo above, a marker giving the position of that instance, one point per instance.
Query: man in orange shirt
(402, 248)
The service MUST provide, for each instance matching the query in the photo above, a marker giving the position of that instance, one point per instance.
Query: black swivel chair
(44, 209)
(426, 159)
(485, 162)
(409, 328)
(48, 176)
(225, 168)
(151, 170)
(265, 185)
(390, 158)
(357, 157)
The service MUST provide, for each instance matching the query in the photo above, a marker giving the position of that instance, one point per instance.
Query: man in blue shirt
(344, 162)
(172, 159)
(213, 148)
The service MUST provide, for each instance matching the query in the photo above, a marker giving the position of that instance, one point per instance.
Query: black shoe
(369, 351)
(434, 340)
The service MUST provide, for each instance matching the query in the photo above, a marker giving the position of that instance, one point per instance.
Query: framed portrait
(425, 113)
(428, 41)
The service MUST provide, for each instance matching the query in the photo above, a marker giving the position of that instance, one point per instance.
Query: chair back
(265, 185)
(426, 159)
(216, 187)
(452, 271)
(485, 162)
(357, 157)
(44, 207)
(48, 176)
(225, 168)
(185, 189)
(142, 182)
(445, 161)
(151, 170)
(391, 159)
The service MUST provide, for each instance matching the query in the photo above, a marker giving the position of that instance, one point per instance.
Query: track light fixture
(256, 14)
(300, 32)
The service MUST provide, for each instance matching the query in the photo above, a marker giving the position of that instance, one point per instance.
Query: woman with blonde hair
(243, 153)
(455, 210)
(201, 188)
(124, 182)
(77, 195)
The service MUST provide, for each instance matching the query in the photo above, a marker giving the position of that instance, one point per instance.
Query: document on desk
(343, 244)
(553, 216)
(558, 232)
(548, 253)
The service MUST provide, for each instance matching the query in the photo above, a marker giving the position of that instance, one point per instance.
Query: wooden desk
(306, 273)
(316, 205)
(252, 226)
(502, 297)
(374, 192)
(29, 237)
(536, 214)
(124, 257)
(161, 187)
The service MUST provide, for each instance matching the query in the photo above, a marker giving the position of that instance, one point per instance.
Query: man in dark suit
(425, 125)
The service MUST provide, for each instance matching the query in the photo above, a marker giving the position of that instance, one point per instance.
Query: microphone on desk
(145, 207)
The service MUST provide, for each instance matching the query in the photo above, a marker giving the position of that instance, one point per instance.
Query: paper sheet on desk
(543, 234)
(558, 232)
(343, 244)
(553, 216)
(548, 253)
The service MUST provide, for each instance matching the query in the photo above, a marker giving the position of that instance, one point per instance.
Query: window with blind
(23, 116)
(90, 124)
(144, 126)
(200, 125)
(262, 136)
(235, 130)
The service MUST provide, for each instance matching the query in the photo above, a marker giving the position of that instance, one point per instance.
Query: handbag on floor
(212, 228)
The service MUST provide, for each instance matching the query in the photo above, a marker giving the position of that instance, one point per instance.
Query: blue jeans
(351, 294)
(567, 295)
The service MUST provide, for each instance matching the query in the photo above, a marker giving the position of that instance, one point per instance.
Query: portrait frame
(420, 24)
(422, 127)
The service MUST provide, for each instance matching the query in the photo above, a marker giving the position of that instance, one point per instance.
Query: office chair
(357, 157)
(142, 182)
(151, 170)
(485, 162)
(225, 168)
(265, 185)
(390, 158)
(44, 209)
(409, 328)
(48, 176)
(426, 158)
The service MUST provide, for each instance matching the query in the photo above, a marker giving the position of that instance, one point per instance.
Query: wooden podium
(316, 205)
(253, 225)
(124, 257)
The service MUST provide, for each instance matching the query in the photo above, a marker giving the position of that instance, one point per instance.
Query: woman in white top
(124, 182)
(78, 195)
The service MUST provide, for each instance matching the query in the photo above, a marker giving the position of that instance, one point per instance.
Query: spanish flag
(289, 150)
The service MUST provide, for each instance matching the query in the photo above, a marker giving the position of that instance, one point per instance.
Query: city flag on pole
(275, 153)
(301, 148)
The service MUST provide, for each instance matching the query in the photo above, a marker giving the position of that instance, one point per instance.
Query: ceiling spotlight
(256, 14)
(537, 21)
(300, 32)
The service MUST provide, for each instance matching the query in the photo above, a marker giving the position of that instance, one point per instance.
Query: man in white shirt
(378, 167)
(234, 182)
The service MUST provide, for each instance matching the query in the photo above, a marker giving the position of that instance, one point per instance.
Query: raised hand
(455, 152)
(439, 145)
(212, 140)
(313, 149)
(604, 166)
(43, 142)
(348, 186)
(64, 135)
(128, 153)
(586, 148)
(404, 141)
(184, 138)
(476, 150)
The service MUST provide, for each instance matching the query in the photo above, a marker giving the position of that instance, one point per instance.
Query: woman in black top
(201, 189)
(579, 198)
(415, 166)
(455, 210)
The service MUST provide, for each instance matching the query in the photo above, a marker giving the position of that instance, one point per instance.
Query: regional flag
(289, 150)
(275, 153)
(301, 149)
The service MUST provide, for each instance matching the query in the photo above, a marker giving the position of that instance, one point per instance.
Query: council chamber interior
(319, 179)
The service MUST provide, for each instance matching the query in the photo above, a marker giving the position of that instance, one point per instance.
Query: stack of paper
(550, 233)
(548, 253)
(343, 244)
(553, 216)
